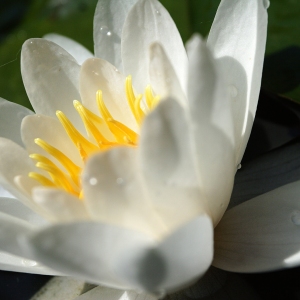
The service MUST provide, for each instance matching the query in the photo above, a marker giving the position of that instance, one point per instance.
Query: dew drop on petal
(295, 217)
(29, 263)
(239, 166)
(120, 181)
(93, 181)
(105, 31)
(233, 92)
(158, 12)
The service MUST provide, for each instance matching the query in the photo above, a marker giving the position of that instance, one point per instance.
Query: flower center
(120, 135)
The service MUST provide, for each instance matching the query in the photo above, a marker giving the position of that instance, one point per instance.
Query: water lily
(129, 162)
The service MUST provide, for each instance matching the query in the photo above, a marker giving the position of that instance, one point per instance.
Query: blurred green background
(21, 20)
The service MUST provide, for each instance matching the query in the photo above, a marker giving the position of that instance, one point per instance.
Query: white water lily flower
(126, 183)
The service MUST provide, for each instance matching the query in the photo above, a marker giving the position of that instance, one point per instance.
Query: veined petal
(105, 293)
(98, 74)
(17, 209)
(211, 128)
(261, 234)
(11, 116)
(51, 79)
(167, 165)
(178, 260)
(14, 161)
(237, 38)
(51, 131)
(60, 205)
(108, 24)
(148, 22)
(114, 193)
(163, 78)
(93, 259)
(79, 52)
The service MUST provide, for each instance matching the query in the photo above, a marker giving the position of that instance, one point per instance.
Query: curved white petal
(114, 194)
(163, 78)
(148, 22)
(79, 52)
(97, 74)
(14, 263)
(211, 127)
(4, 193)
(88, 250)
(105, 293)
(60, 205)
(51, 131)
(11, 116)
(237, 38)
(15, 208)
(51, 78)
(14, 161)
(108, 24)
(262, 234)
(167, 165)
(177, 261)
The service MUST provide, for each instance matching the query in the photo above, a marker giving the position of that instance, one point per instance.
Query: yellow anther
(82, 153)
(121, 131)
(62, 158)
(57, 176)
(139, 114)
(89, 125)
(41, 179)
(74, 134)
(101, 106)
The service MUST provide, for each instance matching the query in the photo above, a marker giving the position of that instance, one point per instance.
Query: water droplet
(233, 92)
(239, 166)
(93, 181)
(120, 181)
(29, 263)
(158, 12)
(105, 31)
(295, 217)
(116, 70)
(266, 3)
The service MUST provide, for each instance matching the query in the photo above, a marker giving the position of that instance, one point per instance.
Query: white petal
(262, 234)
(97, 74)
(4, 193)
(14, 263)
(79, 52)
(114, 194)
(211, 127)
(60, 288)
(148, 22)
(167, 165)
(88, 250)
(14, 161)
(51, 78)
(108, 24)
(11, 115)
(178, 260)
(15, 208)
(237, 38)
(163, 78)
(51, 131)
(105, 293)
(60, 205)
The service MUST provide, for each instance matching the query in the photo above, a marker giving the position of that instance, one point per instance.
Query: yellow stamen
(89, 125)
(105, 131)
(62, 158)
(41, 179)
(74, 134)
(122, 132)
(102, 107)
